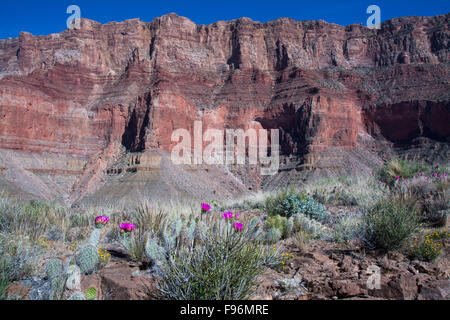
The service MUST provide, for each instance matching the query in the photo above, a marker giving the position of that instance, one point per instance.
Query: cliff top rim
(174, 15)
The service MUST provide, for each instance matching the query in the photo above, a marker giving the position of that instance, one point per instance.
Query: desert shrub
(428, 247)
(288, 202)
(435, 211)
(313, 228)
(5, 275)
(135, 244)
(31, 220)
(151, 219)
(276, 221)
(431, 196)
(225, 266)
(389, 223)
(253, 201)
(302, 240)
(403, 169)
(282, 224)
(16, 261)
(363, 191)
(347, 228)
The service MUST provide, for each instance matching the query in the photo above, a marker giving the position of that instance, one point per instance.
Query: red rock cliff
(323, 85)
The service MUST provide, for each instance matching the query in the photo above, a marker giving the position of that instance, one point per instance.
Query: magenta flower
(101, 221)
(420, 173)
(435, 174)
(397, 177)
(237, 226)
(236, 216)
(205, 207)
(227, 215)
(127, 227)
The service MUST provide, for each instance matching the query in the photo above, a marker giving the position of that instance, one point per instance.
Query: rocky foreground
(324, 271)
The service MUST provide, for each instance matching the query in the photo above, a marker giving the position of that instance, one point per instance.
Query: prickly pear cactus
(171, 233)
(273, 235)
(73, 277)
(87, 258)
(316, 229)
(153, 251)
(190, 230)
(91, 293)
(54, 268)
(94, 238)
(288, 227)
(255, 229)
(200, 231)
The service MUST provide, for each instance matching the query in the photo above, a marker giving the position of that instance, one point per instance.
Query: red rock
(118, 283)
(347, 288)
(435, 290)
(400, 286)
(339, 95)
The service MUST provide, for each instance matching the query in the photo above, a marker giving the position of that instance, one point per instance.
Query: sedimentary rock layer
(125, 86)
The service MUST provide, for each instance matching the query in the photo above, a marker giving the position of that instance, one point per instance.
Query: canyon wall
(334, 92)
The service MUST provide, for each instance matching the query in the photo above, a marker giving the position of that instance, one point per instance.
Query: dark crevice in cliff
(134, 137)
(291, 123)
(235, 60)
(282, 56)
(403, 122)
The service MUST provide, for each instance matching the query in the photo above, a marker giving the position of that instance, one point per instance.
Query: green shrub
(5, 275)
(347, 228)
(313, 228)
(284, 225)
(302, 240)
(135, 243)
(435, 211)
(389, 223)
(400, 168)
(287, 203)
(225, 266)
(276, 221)
(16, 261)
(429, 247)
(273, 235)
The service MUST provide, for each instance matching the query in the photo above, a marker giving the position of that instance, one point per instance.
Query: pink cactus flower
(127, 227)
(101, 221)
(237, 226)
(227, 215)
(205, 207)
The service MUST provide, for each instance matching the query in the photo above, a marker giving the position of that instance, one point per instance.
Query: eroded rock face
(83, 92)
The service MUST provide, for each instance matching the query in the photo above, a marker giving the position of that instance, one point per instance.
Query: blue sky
(41, 17)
